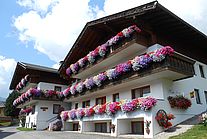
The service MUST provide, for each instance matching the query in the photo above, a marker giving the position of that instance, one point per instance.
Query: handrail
(52, 119)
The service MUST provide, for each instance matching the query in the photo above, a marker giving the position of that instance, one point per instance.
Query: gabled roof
(154, 15)
(40, 73)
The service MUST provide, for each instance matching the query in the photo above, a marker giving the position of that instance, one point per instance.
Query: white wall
(50, 86)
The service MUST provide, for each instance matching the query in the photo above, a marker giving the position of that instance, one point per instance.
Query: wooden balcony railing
(176, 63)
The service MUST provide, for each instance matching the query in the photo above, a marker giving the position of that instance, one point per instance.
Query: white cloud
(54, 33)
(54, 25)
(7, 66)
(56, 66)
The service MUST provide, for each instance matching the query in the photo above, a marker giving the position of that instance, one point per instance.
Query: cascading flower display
(179, 102)
(99, 79)
(101, 50)
(22, 83)
(135, 64)
(112, 108)
(64, 115)
(163, 119)
(89, 83)
(112, 74)
(148, 103)
(72, 114)
(79, 87)
(100, 109)
(25, 111)
(80, 113)
(89, 112)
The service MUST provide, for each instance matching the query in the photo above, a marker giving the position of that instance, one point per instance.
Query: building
(94, 61)
(38, 86)
(2, 106)
(136, 72)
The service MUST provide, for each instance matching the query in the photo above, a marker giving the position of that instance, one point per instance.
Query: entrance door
(137, 127)
(101, 127)
(75, 126)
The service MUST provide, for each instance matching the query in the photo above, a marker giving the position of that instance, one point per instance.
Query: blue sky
(43, 31)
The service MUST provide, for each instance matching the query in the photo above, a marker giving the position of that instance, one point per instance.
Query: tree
(10, 110)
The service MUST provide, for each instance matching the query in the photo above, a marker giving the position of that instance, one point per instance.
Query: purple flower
(141, 62)
(80, 87)
(112, 74)
(68, 71)
(72, 114)
(102, 50)
(66, 92)
(73, 89)
(98, 79)
(89, 83)
(74, 67)
(80, 113)
(124, 67)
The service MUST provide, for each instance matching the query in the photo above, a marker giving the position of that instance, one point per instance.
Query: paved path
(12, 133)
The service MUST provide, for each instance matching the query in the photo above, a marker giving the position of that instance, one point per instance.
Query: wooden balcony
(172, 67)
(126, 49)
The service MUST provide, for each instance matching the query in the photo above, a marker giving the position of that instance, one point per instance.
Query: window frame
(54, 108)
(84, 104)
(76, 105)
(141, 88)
(58, 88)
(114, 97)
(201, 71)
(197, 95)
(33, 109)
(103, 100)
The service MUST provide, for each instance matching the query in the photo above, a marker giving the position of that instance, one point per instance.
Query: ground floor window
(75, 126)
(137, 127)
(101, 127)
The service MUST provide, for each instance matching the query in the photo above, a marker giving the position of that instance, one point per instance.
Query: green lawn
(5, 123)
(197, 132)
(24, 129)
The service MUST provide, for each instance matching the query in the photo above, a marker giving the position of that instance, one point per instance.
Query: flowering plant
(102, 49)
(204, 118)
(128, 106)
(148, 103)
(179, 101)
(64, 115)
(141, 62)
(73, 89)
(80, 113)
(68, 71)
(72, 114)
(124, 67)
(66, 92)
(89, 83)
(89, 111)
(163, 118)
(98, 79)
(160, 54)
(100, 109)
(112, 108)
(80, 87)
(25, 111)
(74, 67)
(112, 74)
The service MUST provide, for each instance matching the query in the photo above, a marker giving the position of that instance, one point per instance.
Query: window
(86, 104)
(101, 100)
(140, 92)
(58, 88)
(56, 108)
(76, 105)
(33, 109)
(116, 97)
(201, 71)
(198, 100)
(205, 92)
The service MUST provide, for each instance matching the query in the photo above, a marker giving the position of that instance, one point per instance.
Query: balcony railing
(175, 67)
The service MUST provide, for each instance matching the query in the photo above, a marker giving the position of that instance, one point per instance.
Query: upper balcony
(172, 68)
(119, 53)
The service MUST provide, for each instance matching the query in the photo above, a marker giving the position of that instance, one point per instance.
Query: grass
(196, 132)
(24, 129)
(5, 123)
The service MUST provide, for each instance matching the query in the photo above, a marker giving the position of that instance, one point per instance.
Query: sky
(43, 31)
